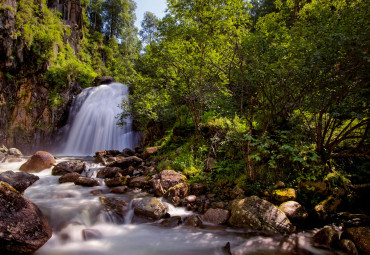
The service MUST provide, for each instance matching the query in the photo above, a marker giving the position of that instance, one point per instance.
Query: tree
(149, 28)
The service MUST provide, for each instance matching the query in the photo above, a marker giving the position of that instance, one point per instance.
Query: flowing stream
(71, 209)
(92, 123)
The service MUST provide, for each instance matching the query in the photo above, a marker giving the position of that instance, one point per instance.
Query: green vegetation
(270, 90)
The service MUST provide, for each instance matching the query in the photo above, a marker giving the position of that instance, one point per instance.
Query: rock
(23, 227)
(116, 206)
(194, 221)
(102, 156)
(348, 247)
(14, 160)
(97, 192)
(198, 189)
(360, 236)
(126, 162)
(216, 216)
(170, 178)
(294, 211)
(15, 152)
(118, 180)
(237, 193)
(108, 172)
(150, 151)
(171, 222)
(18, 180)
(258, 214)
(119, 190)
(283, 195)
(39, 161)
(91, 234)
(327, 236)
(158, 189)
(138, 182)
(104, 80)
(319, 187)
(150, 208)
(190, 199)
(70, 177)
(143, 170)
(128, 152)
(69, 167)
(176, 193)
(326, 207)
(279, 185)
(86, 182)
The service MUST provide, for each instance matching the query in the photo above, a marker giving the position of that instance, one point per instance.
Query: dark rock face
(70, 177)
(171, 222)
(104, 80)
(115, 206)
(216, 216)
(23, 227)
(68, 167)
(108, 172)
(176, 193)
(360, 236)
(19, 180)
(348, 247)
(327, 236)
(126, 162)
(39, 161)
(256, 213)
(86, 182)
(150, 208)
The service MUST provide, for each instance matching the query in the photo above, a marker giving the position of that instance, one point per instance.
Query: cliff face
(27, 115)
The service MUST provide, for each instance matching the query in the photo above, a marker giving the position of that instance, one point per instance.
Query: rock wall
(27, 119)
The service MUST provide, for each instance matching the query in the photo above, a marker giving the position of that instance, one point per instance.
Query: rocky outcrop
(69, 167)
(258, 214)
(23, 227)
(19, 180)
(39, 161)
(150, 208)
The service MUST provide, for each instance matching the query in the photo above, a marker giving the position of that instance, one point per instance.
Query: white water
(70, 209)
(92, 124)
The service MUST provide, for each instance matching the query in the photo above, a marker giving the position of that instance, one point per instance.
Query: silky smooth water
(70, 209)
(92, 123)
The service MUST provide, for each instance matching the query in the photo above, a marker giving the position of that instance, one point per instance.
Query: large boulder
(126, 162)
(360, 236)
(170, 178)
(23, 227)
(69, 167)
(295, 211)
(150, 208)
(39, 161)
(18, 180)
(327, 236)
(258, 214)
(176, 193)
(216, 216)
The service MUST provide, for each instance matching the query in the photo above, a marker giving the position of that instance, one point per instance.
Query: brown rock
(348, 247)
(69, 167)
(198, 189)
(170, 178)
(23, 227)
(360, 236)
(39, 161)
(150, 151)
(86, 182)
(119, 190)
(150, 208)
(327, 236)
(194, 221)
(327, 206)
(97, 192)
(126, 162)
(70, 177)
(118, 180)
(176, 193)
(295, 211)
(108, 172)
(18, 180)
(237, 193)
(118, 207)
(171, 222)
(283, 195)
(216, 216)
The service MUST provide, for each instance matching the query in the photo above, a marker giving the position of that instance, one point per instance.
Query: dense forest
(235, 92)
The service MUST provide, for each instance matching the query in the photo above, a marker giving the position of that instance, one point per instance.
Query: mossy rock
(284, 195)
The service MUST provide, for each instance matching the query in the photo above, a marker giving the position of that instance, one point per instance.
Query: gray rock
(23, 227)
(68, 167)
(150, 208)
(258, 214)
(18, 180)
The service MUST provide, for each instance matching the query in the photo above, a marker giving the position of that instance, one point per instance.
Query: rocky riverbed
(118, 203)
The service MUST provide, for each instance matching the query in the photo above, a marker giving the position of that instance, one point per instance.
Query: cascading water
(92, 124)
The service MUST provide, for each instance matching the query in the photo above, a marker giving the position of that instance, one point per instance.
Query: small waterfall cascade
(92, 124)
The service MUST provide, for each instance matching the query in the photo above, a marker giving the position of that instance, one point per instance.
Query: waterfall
(92, 124)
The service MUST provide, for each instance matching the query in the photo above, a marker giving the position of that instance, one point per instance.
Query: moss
(283, 195)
